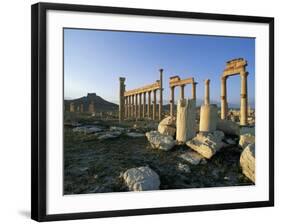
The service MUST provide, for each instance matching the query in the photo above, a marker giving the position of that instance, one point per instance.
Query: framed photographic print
(139, 111)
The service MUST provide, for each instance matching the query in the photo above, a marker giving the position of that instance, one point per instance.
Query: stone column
(182, 92)
(243, 99)
(161, 95)
(81, 108)
(129, 106)
(126, 107)
(121, 98)
(149, 105)
(144, 105)
(223, 98)
(186, 124)
(154, 105)
(140, 106)
(136, 106)
(71, 107)
(208, 118)
(207, 92)
(172, 100)
(193, 90)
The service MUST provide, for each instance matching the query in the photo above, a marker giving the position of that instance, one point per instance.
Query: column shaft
(149, 105)
(172, 100)
(223, 99)
(154, 105)
(121, 98)
(140, 105)
(193, 90)
(182, 92)
(144, 105)
(243, 100)
(161, 95)
(207, 92)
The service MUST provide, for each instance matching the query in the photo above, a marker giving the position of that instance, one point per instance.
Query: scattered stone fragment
(192, 157)
(247, 162)
(109, 135)
(135, 135)
(183, 168)
(113, 128)
(246, 139)
(87, 129)
(141, 179)
(228, 127)
(160, 141)
(167, 126)
(207, 144)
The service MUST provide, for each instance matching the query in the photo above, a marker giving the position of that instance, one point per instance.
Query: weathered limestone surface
(208, 118)
(141, 179)
(160, 141)
(228, 127)
(186, 120)
(246, 139)
(207, 144)
(192, 157)
(167, 126)
(247, 162)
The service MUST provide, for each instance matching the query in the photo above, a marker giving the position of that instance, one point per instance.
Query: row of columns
(172, 95)
(136, 107)
(80, 108)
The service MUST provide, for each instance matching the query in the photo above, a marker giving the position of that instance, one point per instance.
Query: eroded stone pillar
(149, 105)
(154, 105)
(136, 106)
(161, 95)
(144, 105)
(186, 114)
(172, 100)
(207, 92)
(126, 107)
(223, 98)
(182, 92)
(129, 106)
(243, 99)
(208, 118)
(121, 98)
(140, 106)
(193, 90)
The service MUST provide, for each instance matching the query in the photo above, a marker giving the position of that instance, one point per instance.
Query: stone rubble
(167, 126)
(247, 162)
(160, 141)
(141, 179)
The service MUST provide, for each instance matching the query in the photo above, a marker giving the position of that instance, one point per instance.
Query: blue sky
(94, 60)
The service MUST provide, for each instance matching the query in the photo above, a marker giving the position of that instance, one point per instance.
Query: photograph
(146, 111)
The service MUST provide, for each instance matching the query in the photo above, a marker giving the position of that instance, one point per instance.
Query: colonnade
(141, 102)
(176, 81)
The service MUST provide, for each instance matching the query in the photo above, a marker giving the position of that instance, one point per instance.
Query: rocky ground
(95, 160)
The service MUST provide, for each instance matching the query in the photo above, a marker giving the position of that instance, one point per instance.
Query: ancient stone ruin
(132, 103)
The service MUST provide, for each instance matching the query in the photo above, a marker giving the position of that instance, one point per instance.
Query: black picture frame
(38, 108)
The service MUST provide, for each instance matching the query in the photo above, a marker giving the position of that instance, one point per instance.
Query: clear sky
(94, 60)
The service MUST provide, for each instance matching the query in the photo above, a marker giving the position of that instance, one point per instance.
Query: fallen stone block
(247, 162)
(141, 179)
(160, 141)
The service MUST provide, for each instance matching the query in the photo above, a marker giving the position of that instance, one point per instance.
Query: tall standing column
(144, 105)
(243, 99)
(129, 106)
(207, 92)
(154, 105)
(172, 100)
(72, 107)
(125, 107)
(140, 105)
(182, 92)
(161, 95)
(223, 98)
(149, 105)
(121, 98)
(193, 90)
(136, 106)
